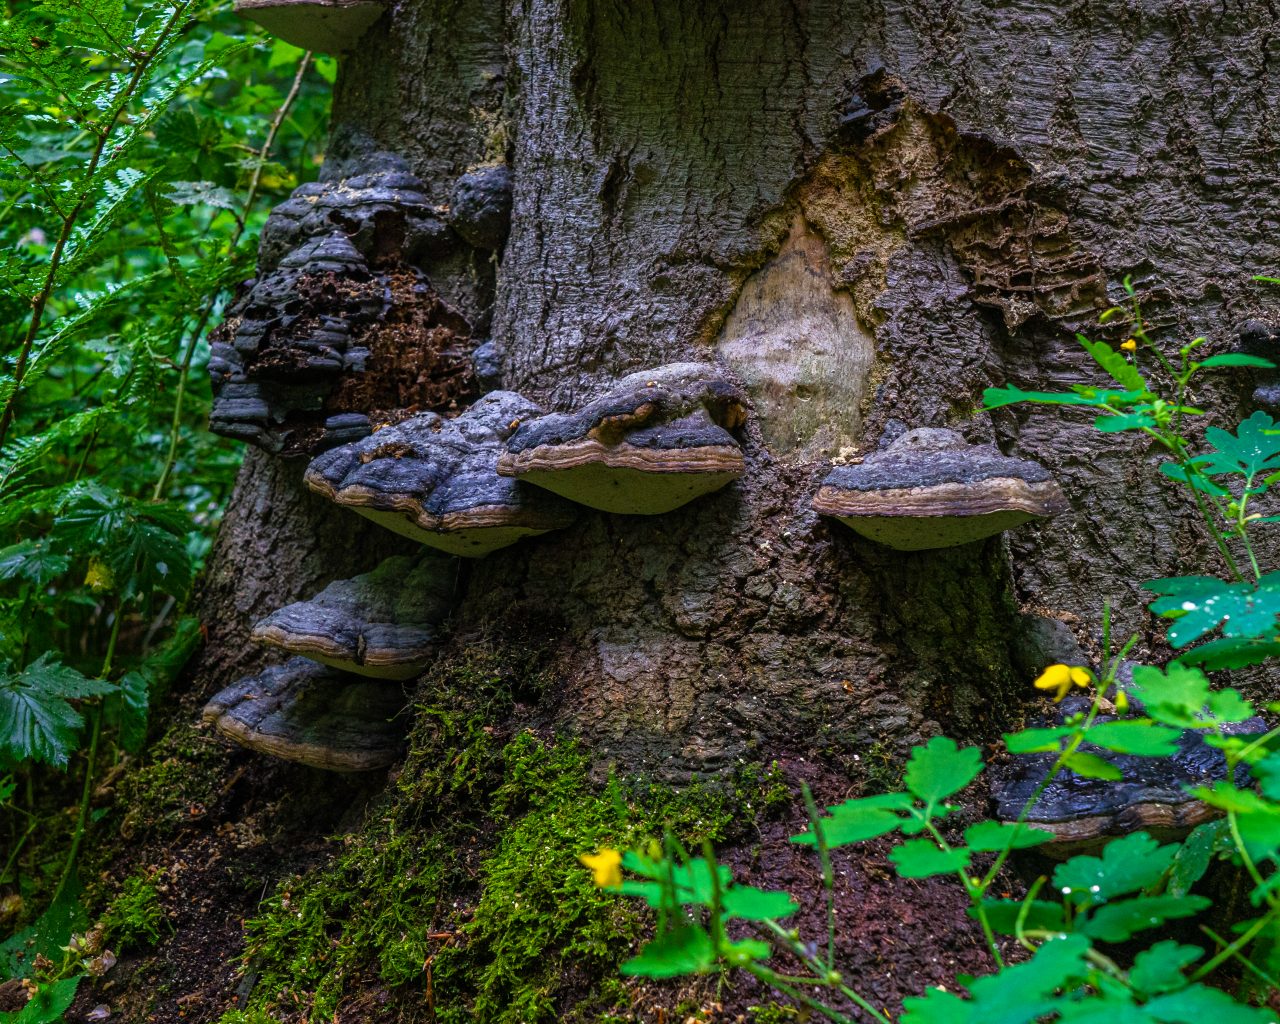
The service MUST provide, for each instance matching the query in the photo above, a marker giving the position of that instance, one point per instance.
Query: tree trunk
(867, 212)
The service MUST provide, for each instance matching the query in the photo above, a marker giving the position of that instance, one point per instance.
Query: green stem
(775, 981)
(41, 298)
(188, 354)
(828, 876)
(796, 949)
(1245, 962)
(1209, 966)
(86, 794)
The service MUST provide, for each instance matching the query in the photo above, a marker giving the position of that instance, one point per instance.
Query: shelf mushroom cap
(382, 624)
(656, 441)
(314, 715)
(1153, 796)
(326, 26)
(931, 489)
(436, 480)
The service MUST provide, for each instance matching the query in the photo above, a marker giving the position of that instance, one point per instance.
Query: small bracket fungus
(314, 715)
(339, 322)
(436, 480)
(382, 624)
(930, 489)
(657, 440)
(1260, 339)
(1153, 796)
(326, 26)
(480, 207)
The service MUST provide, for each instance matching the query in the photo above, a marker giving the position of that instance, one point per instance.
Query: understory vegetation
(141, 147)
(1081, 931)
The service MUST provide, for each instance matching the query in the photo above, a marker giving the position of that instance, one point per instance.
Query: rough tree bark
(868, 211)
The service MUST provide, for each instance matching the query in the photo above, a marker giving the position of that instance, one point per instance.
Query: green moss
(134, 918)
(773, 1013)
(463, 891)
(184, 774)
(247, 1017)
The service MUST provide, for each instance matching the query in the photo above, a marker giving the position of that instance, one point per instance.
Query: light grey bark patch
(796, 342)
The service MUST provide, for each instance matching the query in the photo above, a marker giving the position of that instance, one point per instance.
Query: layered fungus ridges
(312, 714)
(437, 481)
(315, 343)
(384, 624)
(656, 440)
(931, 489)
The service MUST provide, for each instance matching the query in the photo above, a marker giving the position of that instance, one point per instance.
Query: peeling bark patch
(797, 344)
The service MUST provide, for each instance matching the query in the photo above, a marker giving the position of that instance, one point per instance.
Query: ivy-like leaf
(1199, 1003)
(1254, 448)
(37, 722)
(859, 820)
(1003, 915)
(752, 904)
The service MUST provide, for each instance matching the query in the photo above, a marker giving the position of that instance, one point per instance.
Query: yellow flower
(1062, 678)
(606, 866)
(1130, 346)
(1121, 701)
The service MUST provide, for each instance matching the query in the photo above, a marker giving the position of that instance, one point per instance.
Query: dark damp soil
(217, 828)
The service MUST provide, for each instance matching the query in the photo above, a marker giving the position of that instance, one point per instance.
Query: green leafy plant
(1076, 931)
(141, 145)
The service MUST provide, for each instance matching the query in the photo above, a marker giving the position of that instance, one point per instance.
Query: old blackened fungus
(327, 26)
(657, 440)
(384, 624)
(338, 323)
(436, 480)
(929, 489)
(480, 207)
(305, 712)
(1154, 795)
(1261, 340)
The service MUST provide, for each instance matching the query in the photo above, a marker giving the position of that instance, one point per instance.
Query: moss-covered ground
(461, 897)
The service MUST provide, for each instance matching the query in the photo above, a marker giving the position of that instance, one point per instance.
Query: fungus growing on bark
(327, 26)
(1151, 797)
(436, 480)
(338, 322)
(657, 440)
(931, 489)
(1261, 340)
(315, 715)
(383, 624)
(480, 207)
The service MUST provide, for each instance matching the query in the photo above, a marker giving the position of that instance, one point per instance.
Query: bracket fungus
(480, 206)
(657, 440)
(436, 481)
(339, 322)
(1153, 796)
(305, 712)
(931, 489)
(327, 26)
(383, 624)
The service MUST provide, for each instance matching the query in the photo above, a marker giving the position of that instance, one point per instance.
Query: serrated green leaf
(51, 1000)
(1159, 969)
(1127, 865)
(684, 950)
(126, 711)
(1230, 653)
(920, 858)
(1184, 476)
(33, 561)
(854, 822)
(1116, 365)
(752, 904)
(1199, 1003)
(1194, 856)
(1002, 915)
(37, 720)
(939, 769)
(1202, 603)
(990, 836)
(1091, 766)
(1254, 448)
(1115, 922)
(1237, 359)
(1037, 741)
(1135, 736)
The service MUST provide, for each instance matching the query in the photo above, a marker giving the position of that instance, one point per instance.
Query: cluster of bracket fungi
(298, 368)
